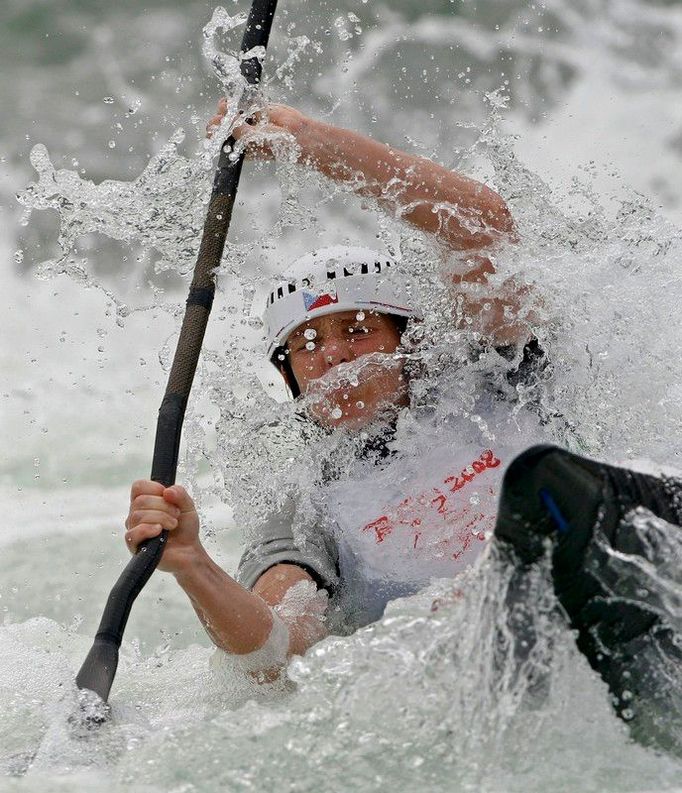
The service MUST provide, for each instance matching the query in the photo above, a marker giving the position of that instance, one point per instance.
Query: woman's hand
(153, 508)
(262, 129)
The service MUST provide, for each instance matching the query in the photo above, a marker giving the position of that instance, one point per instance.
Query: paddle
(98, 670)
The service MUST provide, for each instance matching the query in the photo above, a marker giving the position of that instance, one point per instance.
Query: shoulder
(275, 542)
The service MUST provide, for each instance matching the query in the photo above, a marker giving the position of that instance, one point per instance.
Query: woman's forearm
(237, 620)
(461, 212)
(464, 213)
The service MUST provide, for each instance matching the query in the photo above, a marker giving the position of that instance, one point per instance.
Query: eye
(303, 345)
(305, 341)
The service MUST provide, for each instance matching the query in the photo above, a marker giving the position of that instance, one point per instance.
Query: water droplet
(360, 316)
(134, 107)
(310, 333)
(336, 413)
(18, 256)
(360, 404)
(310, 346)
(108, 100)
(112, 144)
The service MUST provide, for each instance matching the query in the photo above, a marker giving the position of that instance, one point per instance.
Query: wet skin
(318, 346)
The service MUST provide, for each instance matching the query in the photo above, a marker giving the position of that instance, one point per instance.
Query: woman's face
(342, 390)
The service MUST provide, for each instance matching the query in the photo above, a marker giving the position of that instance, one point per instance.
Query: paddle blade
(99, 668)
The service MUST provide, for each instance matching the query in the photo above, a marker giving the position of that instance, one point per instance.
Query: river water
(572, 111)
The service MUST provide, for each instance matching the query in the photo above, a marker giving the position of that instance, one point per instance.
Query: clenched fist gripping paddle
(98, 670)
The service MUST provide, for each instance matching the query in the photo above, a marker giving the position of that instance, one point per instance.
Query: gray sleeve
(273, 543)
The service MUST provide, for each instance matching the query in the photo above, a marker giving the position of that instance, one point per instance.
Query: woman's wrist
(190, 563)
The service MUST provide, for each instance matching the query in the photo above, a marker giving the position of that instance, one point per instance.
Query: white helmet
(331, 280)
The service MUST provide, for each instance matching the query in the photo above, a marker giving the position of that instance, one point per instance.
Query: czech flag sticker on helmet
(314, 300)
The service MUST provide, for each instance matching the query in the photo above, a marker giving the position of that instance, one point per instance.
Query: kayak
(611, 532)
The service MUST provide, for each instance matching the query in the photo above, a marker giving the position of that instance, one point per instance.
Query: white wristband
(272, 654)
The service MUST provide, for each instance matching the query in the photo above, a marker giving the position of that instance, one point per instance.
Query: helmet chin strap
(287, 374)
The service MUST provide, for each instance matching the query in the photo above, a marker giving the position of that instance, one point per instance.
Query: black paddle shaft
(98, 670)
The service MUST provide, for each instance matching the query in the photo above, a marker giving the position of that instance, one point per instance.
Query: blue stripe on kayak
(554, 511)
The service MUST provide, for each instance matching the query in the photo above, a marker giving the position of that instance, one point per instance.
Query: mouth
(341, 393)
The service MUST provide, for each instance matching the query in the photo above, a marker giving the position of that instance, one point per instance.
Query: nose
(336, 351)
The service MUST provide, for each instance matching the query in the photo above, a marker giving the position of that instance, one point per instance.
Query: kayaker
(337, 306)
(239, 618)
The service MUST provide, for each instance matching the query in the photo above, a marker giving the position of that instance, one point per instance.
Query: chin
(380, 402)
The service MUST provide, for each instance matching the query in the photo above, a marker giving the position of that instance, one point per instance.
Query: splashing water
(500, 710)
(162, 208)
